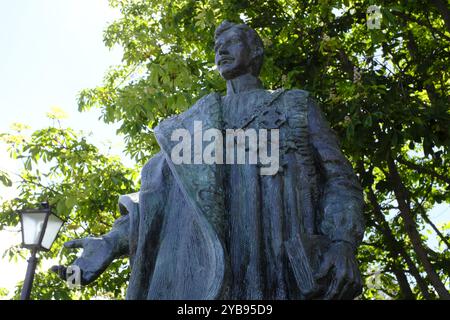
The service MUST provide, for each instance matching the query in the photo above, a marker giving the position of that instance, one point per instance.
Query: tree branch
(402, 196)
(422, 169)
(396, 249)
(425, 217)
(443, 10)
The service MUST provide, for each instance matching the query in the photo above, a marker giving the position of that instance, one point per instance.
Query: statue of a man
(221, 230)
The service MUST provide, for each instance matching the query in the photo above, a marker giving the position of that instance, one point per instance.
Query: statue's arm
(342, 199)
(118, 237)
(342, 211)
(98, 252)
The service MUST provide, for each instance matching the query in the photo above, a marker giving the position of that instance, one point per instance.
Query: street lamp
(39, 230)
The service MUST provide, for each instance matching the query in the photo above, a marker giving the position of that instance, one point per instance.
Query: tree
(384, 90)
(82, 185)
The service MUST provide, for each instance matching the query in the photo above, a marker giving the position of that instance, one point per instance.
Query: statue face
(233, 54)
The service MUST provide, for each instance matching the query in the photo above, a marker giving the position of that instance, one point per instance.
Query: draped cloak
(213, 231)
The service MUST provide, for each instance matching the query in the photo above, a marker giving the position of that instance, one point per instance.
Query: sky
(49, 51)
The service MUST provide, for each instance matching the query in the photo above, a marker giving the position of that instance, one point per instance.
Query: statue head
(239, 50)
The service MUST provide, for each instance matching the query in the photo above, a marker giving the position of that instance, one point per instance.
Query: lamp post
(40, 228)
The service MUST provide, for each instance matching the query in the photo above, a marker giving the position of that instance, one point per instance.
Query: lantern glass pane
(53, 225)
(32, 227)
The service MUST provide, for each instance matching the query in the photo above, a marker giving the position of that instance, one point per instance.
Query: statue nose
(223, 51)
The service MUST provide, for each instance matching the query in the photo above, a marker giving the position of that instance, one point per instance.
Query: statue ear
(257, 52)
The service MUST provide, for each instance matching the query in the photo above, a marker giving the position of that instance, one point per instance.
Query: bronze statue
(222, 230)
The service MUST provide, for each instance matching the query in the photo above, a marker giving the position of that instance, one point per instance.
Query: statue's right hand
(96, 256)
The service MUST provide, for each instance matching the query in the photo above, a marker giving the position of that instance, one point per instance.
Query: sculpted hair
(253, 40)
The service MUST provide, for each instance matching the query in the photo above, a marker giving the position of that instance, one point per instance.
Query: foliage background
(385, 92)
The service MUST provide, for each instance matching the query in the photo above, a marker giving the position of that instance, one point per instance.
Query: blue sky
(50, 50)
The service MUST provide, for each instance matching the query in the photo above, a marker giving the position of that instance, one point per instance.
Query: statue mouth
(225, 60)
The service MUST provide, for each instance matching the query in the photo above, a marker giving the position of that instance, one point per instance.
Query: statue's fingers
(357, 282)
(336, 286)
(345, 276)
(357, 289)
(353, 274)
(90, 270)
(324, 269)
(77, 243)
(346, 291)
(335, 289)
(357, 277)
(351, 280)
(88, 277)
(331, 289)
(60, 271)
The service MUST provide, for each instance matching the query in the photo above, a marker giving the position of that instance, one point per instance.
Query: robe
(218, 231)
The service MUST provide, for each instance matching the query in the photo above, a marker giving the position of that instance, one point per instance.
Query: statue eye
(217, 46)
(227, 43)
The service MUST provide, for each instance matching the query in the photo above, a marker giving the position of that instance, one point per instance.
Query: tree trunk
(396, 249)
(401, 193)
(405, 290)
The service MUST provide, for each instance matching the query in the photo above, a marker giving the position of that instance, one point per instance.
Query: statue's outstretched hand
(339, 264)
(96, 257)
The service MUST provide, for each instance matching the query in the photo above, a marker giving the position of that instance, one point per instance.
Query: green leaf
(4, 179)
